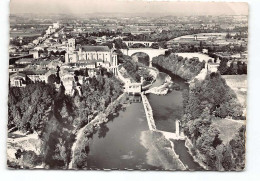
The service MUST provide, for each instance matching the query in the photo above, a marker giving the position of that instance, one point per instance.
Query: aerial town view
(127, 90)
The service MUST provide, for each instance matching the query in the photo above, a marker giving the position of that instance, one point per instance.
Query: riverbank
(154, 72)
(163, 88)
(185, 68)
(197, 157)
(80, 146)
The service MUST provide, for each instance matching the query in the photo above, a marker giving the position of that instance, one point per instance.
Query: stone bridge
(149, 51)
(145, 43)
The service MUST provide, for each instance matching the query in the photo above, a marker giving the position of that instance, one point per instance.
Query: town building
(35, 53)
(24, 61)
(18, 80)
(50, 30)
(16, 68)
(130, 85)
(56, 25)
(87, 55)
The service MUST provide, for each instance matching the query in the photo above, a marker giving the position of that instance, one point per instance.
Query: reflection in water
(102, 130)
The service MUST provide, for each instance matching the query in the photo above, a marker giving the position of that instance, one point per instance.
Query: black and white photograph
(127, 85)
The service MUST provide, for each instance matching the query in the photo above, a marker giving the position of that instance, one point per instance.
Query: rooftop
(95, 48)
(17, 74)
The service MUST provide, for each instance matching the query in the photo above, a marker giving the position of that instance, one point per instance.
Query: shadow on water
(176, 79)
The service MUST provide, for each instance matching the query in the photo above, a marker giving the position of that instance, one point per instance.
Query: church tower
(71, 46)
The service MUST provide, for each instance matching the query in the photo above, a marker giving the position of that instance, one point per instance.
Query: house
(130, 85)
(133, 87)
(37, 75)
(213, 67)
(24, 61)
(205, 51)
(54, 64)
(35, 53)
(56, 25)
(16, 68)
(18, 80)
(50, 30)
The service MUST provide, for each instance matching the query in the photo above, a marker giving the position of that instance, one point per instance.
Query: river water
(117, 144)
(167, 108)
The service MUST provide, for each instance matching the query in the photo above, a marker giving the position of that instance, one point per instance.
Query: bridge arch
(141, 57)
(149, 51)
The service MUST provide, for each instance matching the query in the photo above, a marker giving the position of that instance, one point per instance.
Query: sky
(127, 6)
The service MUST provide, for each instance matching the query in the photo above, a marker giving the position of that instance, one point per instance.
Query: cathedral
(92, 56)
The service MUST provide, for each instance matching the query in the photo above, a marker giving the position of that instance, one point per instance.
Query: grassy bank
(197, 157)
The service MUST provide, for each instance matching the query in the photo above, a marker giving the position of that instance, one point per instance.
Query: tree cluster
(27, 106)
(214, 93)
(235, 68)
(183, 67)
(97, 93)
(213, 98)
(213, 152)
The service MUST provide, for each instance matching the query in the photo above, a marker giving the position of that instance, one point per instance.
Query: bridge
(149, 51)
(145, 43)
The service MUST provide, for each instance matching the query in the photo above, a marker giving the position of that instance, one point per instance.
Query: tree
(28, 113)
(86, 72)
(60, 152)
(228, 36)
(52, 79)
(233, 69)
(223, 66)
(238, 148)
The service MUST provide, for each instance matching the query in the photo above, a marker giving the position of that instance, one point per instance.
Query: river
(167, 108)
(117, 144)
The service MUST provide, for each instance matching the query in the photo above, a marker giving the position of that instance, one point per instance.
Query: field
(227, 127)
(239, 84)
(26, 32)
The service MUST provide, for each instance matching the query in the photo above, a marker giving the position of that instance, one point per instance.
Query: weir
(148, 112)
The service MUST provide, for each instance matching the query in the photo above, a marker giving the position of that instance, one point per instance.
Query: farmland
(239, 84)
(227, 127)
